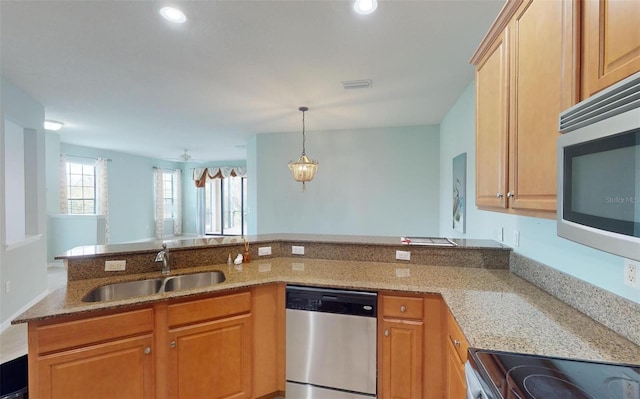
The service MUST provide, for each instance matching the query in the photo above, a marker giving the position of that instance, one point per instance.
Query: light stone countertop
(495, 308)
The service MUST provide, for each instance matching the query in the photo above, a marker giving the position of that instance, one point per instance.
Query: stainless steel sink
(132, 289)
(195, 280)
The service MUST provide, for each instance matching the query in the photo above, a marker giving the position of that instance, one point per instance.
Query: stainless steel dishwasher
(331, 343)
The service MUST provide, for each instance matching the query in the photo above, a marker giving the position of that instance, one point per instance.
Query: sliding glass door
(226, 206)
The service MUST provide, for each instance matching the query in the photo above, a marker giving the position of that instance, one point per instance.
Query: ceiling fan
(184, 157)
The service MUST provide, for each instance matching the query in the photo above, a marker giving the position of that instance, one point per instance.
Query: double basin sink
(132, 289)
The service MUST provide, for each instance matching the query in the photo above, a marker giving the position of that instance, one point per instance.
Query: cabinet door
(401, 359)
(543, 83)
(457, 385)
(611, 43)
(211, 360)
(492, 105)
(118, 369)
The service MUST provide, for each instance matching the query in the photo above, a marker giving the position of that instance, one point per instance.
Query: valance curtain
(201, 175)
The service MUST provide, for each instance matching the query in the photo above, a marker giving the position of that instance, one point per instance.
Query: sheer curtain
(64, 203)
(102, 194)
(159, 211)
(177, 214)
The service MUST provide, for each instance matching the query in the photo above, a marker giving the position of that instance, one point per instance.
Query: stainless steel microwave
(599, 170)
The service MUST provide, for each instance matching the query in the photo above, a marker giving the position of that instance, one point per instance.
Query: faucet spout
(163, 256)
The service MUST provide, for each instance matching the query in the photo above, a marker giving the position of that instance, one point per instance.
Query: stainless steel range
(502, 375)
(331, 344)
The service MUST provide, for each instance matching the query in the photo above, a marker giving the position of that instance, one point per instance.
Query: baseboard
(7, 323)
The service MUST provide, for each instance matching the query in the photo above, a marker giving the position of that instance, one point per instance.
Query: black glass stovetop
(520, 376)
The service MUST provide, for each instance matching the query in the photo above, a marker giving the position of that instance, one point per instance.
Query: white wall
(23, 265)
(381, 181)
(538, 237)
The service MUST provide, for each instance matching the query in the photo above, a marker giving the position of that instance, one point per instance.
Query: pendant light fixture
(304, 168)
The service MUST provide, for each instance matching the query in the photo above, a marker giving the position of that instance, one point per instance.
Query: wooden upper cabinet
(543, 83)
(492, 105)
(611, 43)
(526, 74)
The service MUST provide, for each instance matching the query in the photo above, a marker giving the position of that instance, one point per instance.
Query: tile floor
(13, 341)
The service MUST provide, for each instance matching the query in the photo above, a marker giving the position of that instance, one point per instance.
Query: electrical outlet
(500, 234)
(631, 273)
(7, 287)
(115, 265)
(297, 250)
(264, 251)
(403, 255)
(516, 238)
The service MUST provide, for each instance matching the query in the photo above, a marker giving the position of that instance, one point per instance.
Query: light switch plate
(115, 265)
(264, 251)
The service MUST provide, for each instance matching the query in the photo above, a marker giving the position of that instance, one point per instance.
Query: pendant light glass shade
(304, 169)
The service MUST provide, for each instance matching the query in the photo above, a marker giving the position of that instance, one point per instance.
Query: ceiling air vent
(356, 84)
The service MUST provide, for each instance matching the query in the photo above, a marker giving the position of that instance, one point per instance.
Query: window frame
(169, 211)
(70, 187)
(220, 183)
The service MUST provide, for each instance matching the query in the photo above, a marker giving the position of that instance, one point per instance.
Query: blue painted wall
(381, 181)
(538, 238)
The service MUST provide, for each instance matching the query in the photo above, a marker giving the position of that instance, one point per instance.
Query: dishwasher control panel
(357, 303)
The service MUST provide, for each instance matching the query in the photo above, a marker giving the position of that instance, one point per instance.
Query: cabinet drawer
(71, 334)
(209, 309)
(402, 307)
(457, 338)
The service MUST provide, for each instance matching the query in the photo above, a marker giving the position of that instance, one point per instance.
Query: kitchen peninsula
(494, 308)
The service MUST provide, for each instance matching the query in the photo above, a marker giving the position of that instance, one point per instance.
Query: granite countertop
(495, 308)
(188, 242)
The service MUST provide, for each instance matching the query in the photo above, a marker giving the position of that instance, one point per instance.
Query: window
(168, 194)
(81, 188)
(226, 206)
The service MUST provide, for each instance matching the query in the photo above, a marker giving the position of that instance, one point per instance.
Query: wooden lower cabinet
(211, 360)
(401, 368)
(457, 347)
(410, 351)
(117, 369)
(456, 383)
(198, 348)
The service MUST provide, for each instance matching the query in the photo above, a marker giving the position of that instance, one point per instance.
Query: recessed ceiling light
(365, 7)
(173, 15)
(53, 125)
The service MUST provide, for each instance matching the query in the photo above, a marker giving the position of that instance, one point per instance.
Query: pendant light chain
(304, 138)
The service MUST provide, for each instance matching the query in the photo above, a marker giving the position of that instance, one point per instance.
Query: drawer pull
(147, 350)
(403, 308)
(386, 333)
(456, 343)
(172, 344)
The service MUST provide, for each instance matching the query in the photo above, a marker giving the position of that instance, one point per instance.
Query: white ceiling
(122, 78)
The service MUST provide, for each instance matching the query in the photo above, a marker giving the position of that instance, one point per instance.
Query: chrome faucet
(163, 256)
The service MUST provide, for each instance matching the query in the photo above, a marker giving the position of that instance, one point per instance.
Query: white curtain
(159, 212)
(102, 194)
(177, 212)
(64, 203)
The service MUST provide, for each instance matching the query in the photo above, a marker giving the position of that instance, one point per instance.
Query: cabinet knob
(499, 195)
(403, 308)
(172, 344)
(510, 194)
(386, 333)
(147, 350)
(456, 343)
